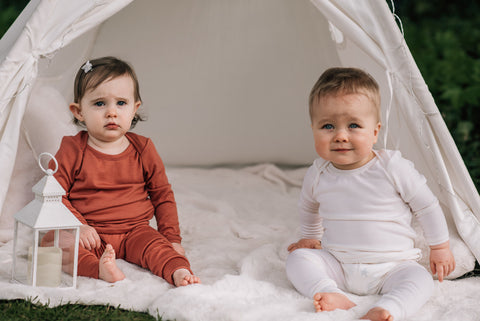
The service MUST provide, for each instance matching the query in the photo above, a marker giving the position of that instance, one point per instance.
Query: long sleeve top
(115, 193)
(364, 215)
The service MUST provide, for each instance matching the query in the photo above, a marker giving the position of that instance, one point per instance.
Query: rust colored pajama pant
(143, 246)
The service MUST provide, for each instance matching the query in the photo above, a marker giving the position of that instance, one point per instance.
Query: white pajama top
(364, 215)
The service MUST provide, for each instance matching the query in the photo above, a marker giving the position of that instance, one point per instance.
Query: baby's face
(108, 109)
(345, 128)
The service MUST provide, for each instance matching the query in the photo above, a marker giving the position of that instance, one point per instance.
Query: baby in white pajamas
(356, 209)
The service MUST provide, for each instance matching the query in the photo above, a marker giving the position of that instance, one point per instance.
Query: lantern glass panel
(64, 243)
(55, 252)
(24, 240)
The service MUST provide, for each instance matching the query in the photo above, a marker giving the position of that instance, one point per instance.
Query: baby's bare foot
(378, 314)
(182, 277)
(331, 301)
(107, 267)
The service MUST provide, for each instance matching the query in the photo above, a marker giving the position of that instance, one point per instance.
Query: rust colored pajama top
(118, 195)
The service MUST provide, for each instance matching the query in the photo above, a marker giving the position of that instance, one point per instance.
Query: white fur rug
(236, 225)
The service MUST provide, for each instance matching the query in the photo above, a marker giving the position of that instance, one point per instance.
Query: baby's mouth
(111, 126)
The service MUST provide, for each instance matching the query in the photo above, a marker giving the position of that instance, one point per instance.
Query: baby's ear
(76, 111)
(137, 105)
(377, 131)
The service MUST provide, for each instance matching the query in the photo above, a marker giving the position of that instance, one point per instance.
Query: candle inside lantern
(49, 266)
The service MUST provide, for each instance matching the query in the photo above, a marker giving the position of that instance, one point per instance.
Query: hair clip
(87, 66)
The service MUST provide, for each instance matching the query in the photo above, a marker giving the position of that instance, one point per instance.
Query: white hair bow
(87, 66)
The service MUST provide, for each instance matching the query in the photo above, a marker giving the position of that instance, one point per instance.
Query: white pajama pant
(405, 285)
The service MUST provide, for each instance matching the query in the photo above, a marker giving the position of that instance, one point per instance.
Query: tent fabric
(234, 73)
(51, 27)
(233, 90)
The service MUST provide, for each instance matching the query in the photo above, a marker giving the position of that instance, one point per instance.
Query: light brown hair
(344, 81)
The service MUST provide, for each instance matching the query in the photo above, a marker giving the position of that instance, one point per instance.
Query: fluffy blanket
(236, 225)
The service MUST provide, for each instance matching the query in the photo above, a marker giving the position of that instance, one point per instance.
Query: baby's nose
(111, 111)
(341, 136)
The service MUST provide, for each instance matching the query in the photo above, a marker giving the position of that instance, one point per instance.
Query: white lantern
(46, 237)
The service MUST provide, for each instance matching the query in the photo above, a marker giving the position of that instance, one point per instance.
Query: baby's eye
(121, 103)
(354, 125)
(99, 104)
(327, 126)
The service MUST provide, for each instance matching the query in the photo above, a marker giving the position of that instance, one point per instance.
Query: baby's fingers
(292, 247)
(93, 240)
(452, 267)
(433, 267)
(85, 245)
(317, 246)
(97, 242)
(449, 269)
(440, 273)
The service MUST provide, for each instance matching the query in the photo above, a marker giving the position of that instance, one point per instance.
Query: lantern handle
(47, 171)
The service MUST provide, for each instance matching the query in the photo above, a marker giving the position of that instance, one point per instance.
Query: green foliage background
(9, 10)
(444, 38)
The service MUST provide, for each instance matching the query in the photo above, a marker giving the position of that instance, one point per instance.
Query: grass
(13, 310)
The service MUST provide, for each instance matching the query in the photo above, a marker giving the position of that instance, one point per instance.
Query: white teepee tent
(223, 82)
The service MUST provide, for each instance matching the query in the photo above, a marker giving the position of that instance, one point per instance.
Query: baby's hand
(305, 244)
(179, 248)
(89, 238)
(442, 261)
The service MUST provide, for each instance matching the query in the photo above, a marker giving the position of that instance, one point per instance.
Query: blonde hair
(345, 81)
(103, 69)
